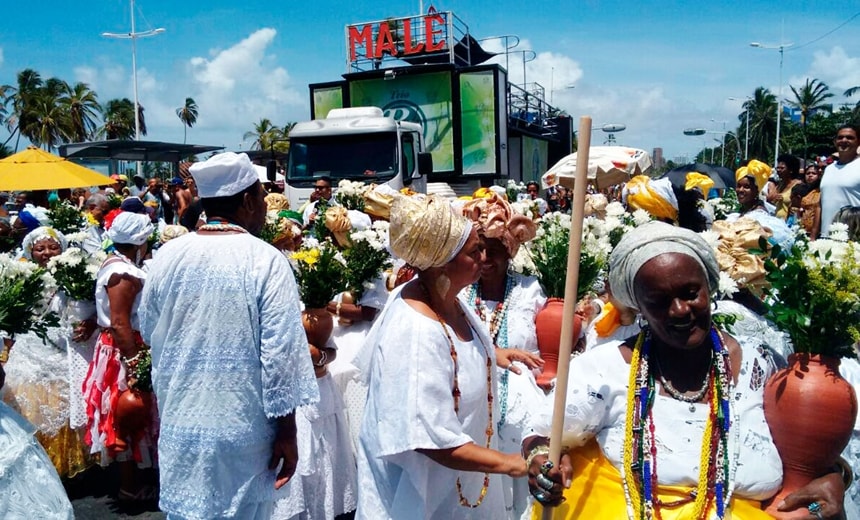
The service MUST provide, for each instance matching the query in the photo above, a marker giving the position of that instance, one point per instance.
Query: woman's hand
(547, 482)
(827, 492)
(84, 330)
(505, 358)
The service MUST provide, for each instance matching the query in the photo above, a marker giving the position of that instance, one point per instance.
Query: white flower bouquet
(75, 272)
(367, 257)
(26, 291)
(350, 194)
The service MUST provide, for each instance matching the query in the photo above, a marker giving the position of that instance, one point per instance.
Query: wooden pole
(570, 286)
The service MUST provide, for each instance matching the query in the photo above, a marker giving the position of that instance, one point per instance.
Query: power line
(825, 35)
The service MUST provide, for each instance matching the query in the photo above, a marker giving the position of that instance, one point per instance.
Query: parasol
(723, 177)
(36, 169)
(607, 166)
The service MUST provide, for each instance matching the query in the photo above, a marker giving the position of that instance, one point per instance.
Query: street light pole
(781, 47)
(747, 134)
(133, 36)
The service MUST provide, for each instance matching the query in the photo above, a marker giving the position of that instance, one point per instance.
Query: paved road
(92, 494)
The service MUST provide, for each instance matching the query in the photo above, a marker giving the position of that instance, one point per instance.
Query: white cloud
(837, 69)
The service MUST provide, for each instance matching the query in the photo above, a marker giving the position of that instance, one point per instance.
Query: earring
(643, 323)
(713, 306)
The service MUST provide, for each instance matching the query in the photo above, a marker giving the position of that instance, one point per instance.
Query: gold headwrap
(276, 202)
(426, 232)
(496, 219)
(377, 204)
(595, 204)
(170, 232)
(699, 180)
(759, 171)
(655, 197)
(337, 221)
(733, 252)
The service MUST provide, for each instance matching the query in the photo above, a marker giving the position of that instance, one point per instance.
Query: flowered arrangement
(350, 194)
(278, 228)
(736, 247)
(724, 206)
(320, 272)
(515, 190)
(366, 258)
(66, 218)
(140, 370)
(75, 272)
(26, 291)
(814, 293)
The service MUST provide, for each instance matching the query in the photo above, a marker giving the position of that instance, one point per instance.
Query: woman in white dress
(428, 438)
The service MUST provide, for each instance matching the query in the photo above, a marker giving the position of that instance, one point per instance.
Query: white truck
(359, 144)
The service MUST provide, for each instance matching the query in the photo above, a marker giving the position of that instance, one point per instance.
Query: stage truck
(421, 105)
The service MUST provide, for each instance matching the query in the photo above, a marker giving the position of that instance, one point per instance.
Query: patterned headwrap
(496, 219)
(426, 232)
(654, 196)
(172, 231)
(39, 234)
(651, 240)
(277, 202)
(757, 170)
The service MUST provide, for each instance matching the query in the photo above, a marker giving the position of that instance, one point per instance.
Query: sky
(655, 66)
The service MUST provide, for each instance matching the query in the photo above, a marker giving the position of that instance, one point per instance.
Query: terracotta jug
(131, 416)
(810, 410)
(318, 324)
(548, 324)
(346, 297)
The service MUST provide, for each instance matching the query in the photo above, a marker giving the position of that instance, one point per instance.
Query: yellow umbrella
(36, 169)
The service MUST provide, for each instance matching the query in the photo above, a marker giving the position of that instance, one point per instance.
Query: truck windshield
(355, 156)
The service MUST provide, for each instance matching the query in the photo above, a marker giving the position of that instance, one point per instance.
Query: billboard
(534, 158)
(478, 113)
(325, 98)
(420, 98)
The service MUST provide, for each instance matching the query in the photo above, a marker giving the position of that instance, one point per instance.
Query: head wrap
(378, 200)
(496, 219)
(595, 204)
(337, 221)
(698, 180)
(29, 221)
(39, 234)
(223, 175)
(651, 240)
(295, 216)
(759, 171)
(426, 232)
(130, 228)
(276, 202)
(171, 231)
(654, 196)
(133, 205)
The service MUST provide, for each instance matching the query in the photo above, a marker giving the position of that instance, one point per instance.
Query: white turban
(39, 234)
(426, 232)
(223, 175)
(130, 228)
(648, 241)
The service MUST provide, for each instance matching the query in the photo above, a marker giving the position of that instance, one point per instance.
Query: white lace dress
(29, 485)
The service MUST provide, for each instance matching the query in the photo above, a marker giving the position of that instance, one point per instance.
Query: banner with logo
(478, 113)
(419, 98)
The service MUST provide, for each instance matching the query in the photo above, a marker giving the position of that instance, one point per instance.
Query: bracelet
(337, 309)
(537, 451)
(323, 358)
(847, 472)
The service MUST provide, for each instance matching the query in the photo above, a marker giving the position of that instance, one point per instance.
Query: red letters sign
(380, 39)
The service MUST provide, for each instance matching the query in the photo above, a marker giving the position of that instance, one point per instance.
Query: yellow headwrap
(426, 232)
(337, 221)
(654, 196)
(482, 193)
(759, 171)
(699, 180)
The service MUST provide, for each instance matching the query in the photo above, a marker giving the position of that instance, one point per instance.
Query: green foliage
(363, 263)
(814, 295)
(19, 298)
(320, 274)
(140, 368)
(549, 253)
(318, 229)
(66, 218)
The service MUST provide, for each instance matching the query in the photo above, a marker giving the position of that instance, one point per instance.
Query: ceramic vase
(318, 324)
(548, 324)
(131, 417)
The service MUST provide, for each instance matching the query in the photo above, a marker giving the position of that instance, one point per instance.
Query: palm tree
(119, 119)
(762, 110)
(141, 119)
(188, 115)
(263, 134)
(811, 98)
(46, 120)
(28, 83)
(83, 109)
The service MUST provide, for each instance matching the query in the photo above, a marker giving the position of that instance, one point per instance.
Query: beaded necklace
(498, 334)
(456, 393)
(639, 467)
(223, 226)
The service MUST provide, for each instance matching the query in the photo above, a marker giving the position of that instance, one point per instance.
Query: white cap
(130, 228)
(223, 175)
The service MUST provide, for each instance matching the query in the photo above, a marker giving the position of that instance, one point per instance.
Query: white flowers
(348, 188)
(727, 285)
(376, 235)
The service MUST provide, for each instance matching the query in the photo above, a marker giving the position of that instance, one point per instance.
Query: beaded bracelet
(541, 449)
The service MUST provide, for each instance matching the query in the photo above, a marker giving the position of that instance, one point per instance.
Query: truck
(421, 105)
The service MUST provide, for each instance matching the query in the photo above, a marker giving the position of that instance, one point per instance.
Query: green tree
(264, 134)
(188, 115)
(82, 107)
(762, 114)
(44, 122)
(118, 119)
(811, 97)
(20, 98)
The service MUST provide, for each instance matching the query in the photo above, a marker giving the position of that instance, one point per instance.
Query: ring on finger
(546, 466)
(540, 495)
(544, 482)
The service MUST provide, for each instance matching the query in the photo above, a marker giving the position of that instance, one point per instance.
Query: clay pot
(346, 297)
(318, 324)
(548, 325)
(131, 417)
(810, 410)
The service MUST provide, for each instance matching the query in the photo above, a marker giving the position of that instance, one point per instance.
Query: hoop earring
(713, 306)
(642, 322)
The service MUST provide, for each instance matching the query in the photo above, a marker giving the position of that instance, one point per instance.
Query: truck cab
(358, 144)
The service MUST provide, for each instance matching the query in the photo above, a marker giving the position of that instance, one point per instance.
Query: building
(657, 159)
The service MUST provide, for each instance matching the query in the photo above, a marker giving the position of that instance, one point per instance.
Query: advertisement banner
(534, 158)
(421, 98)
(478, 109)
(325, 99)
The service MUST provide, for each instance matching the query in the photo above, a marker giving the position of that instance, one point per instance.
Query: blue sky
(656, 66)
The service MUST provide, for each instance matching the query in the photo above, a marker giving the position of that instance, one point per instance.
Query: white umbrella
(607, 166)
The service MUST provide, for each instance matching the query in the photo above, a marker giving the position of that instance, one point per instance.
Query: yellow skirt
(67, 451)
(597, 492)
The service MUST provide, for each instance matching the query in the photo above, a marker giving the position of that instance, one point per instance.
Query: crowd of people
(190, 368)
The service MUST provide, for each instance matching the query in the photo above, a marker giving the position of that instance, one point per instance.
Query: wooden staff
(570, 294)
